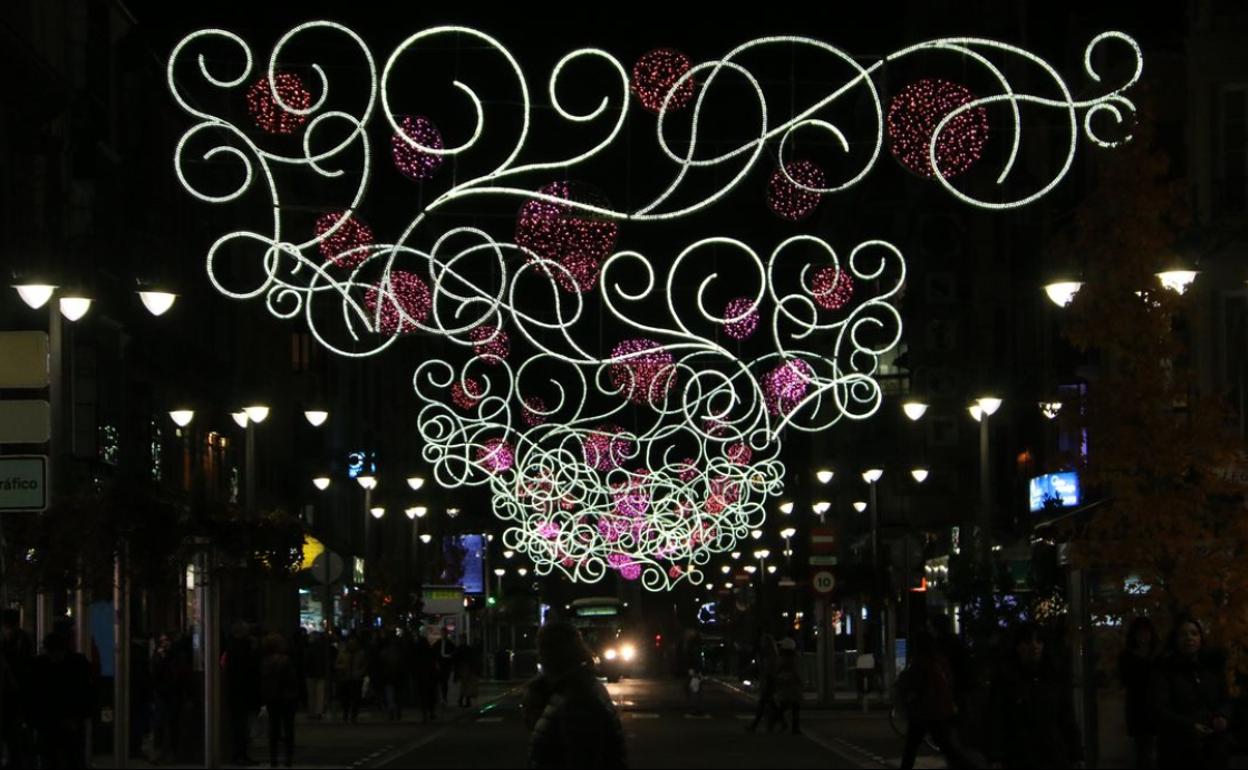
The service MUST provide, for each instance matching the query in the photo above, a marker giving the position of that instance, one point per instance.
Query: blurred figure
(571, 716)
(242, 689)
(63, 699)
(789, 687)
(926, 691)
(1136, 667)
(425, 677)
(279, 685)
(17, 654)
(351, 668)
(467, 672)
(171, 689)
(1190, 701)
(768, 658)
(1032, 710)
(319, 664)
(390, 675)
(446, 664)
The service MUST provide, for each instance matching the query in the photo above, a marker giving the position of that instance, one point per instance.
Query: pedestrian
(766, 662)
(279, 686)
(242, 690)
(63, 695)
(350, 669)
(1136, 666)
(142, 699)
(17, 654)
(691, 655)
(1190, 701)
(572, 720)
(926, 692)
(446, 664)
(467, 672)
(789, 687)
(1032, 711)
(425, 677)
(318, 663)
(391, 676)
(171, 690)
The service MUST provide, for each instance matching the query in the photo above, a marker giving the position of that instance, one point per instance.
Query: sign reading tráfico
(23, 483)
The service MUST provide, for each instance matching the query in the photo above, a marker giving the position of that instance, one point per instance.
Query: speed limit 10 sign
(824, 582)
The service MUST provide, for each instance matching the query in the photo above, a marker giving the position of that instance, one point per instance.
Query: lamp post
(872, 477)
(982, 410)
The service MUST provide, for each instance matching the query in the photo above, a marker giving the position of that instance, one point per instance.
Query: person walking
(318, 663)
(391, 675)
(425, 678)
(789, 687)
(572, 721)
(17, 655)
(446, 664)
(242, 690)
(1190, 701)
(1136, 666)
(350, 669)
(1032, 711)
(767, 659)
(279, 687)
(927, 693)
(171, 690)
(467, 672)
(63, 699)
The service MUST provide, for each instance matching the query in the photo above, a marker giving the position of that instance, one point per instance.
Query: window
(1230, 166)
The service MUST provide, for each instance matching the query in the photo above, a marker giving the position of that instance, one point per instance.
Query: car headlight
(629, 652)
(610, 655)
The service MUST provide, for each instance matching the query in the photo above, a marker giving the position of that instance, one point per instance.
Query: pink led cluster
(655, 73)
(913, 115)
(566, 236)
(533, 412)
(467, 394)
(269, 116)
(491, 343)
(833, 288)
(606, 448)
(786, 386)
(743, 309)
(739, 454)
(412, 162)
(348, 246)
(497, 456)
(407, 302)
(642, 370)
(787, 200)
(632, 498)
(628, 569)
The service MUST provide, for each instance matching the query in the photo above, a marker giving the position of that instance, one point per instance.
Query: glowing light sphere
(642, 370)
(497, 456)
(533, 411)
(786, 386)
(789, 201)
(467, 394)
(492, 344)
(413, 162)
(916, 111)
(566, 236)
(271, 117)
(549, 530)
(742, 309)
(631, 571)
(675, 572)
(406, 303)
(688, 469)
(833, 288)
(656, 73)
(740, 454)
(632, 498)
(606, 448)
(346, 247)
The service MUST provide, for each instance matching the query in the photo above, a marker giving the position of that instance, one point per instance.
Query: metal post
(985, 493)
(250, 468)
(821, 651)
(121, 661)
(82, 644)
(487, 663)
(209, 628)
(56, 402)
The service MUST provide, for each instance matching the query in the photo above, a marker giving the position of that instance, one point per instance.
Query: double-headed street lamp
(982, 410)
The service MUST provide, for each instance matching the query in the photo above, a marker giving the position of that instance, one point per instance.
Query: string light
(606, 448)
(496, 456)
(467, 394)
(788, 192)
(560, 234)
(642, 370)
(913, 117)
(746, 318)
(787, 385)
(406, 304)
(344, 239)
(270, 116)
(492, 344)
(833, 288)
(411, 161)
(534, 411)
(656, 74)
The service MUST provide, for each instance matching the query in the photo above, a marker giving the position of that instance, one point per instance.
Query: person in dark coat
(63, 700)
(768, 657)
(350, 667)
(319, 666)
(1190, 701)
(242, 690)
(279, 687)
(467, 672)
(1136, 664)
(172, 688)
(789, 687)
(446, 664)
(928, 694)
(1032, 710)
(572, 720)
(17, 654)
(425, 677)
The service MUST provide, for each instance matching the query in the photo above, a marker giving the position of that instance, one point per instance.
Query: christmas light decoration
(496, 456)
(279, 114)
(344, 239)
(915, 114)
(741, 319)
(792, 193)
(833, 288)
(698, 401)
(660, 82)
(410, 148)
(491, 343)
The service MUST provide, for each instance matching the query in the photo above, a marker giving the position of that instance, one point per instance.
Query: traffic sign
(823, 561)
(822, 540)
(23, 483)
(24, 360)
(823, 582)
(25, 422)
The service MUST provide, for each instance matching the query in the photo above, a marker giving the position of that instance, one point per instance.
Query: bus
(602, 621)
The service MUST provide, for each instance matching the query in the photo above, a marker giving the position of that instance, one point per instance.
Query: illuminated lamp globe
(321, 482)
(316, 417)
(157, 302)
(35, 295)
(1062, 293)
(257, 413)
(989, 405)
(920, 474)
(825, 477)
(75, 307)
(786, 508)
(1177, 281)
(426, 538)
(182, 417)
(367, 482)
(377, 511)
(240, 419)
(860, 506)
(872, 475)
(914, 410)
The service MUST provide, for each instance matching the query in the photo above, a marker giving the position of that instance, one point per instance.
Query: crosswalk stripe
(490, 720)
(645, 716)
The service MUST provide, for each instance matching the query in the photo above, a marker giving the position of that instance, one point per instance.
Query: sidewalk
(331, 743)
(841, 701)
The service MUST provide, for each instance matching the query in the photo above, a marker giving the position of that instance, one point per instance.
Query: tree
(1171, 534)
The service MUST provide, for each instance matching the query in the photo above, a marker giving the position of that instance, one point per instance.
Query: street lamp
(786, 508)
(1062, 293)
(860, 506)
(751, 569)
(452, 512)
(35, 295)
(735, 555)
(508, 554)
(369, 483)
(426, 538)
(757, 534)
(182, 417)
(416, 512)
(377, 511)
(240, 419)
(522, 571)
(825, 476)
(725, 569)
(821, 507)
(157, 302)
(872, 475)
(257, 413)
(914, 410)
(316, 417)
(75, 306)
(771, 569)
(1050, 409)
(1177, 281)
(415, 482)
(920, 474)
(321, 482)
